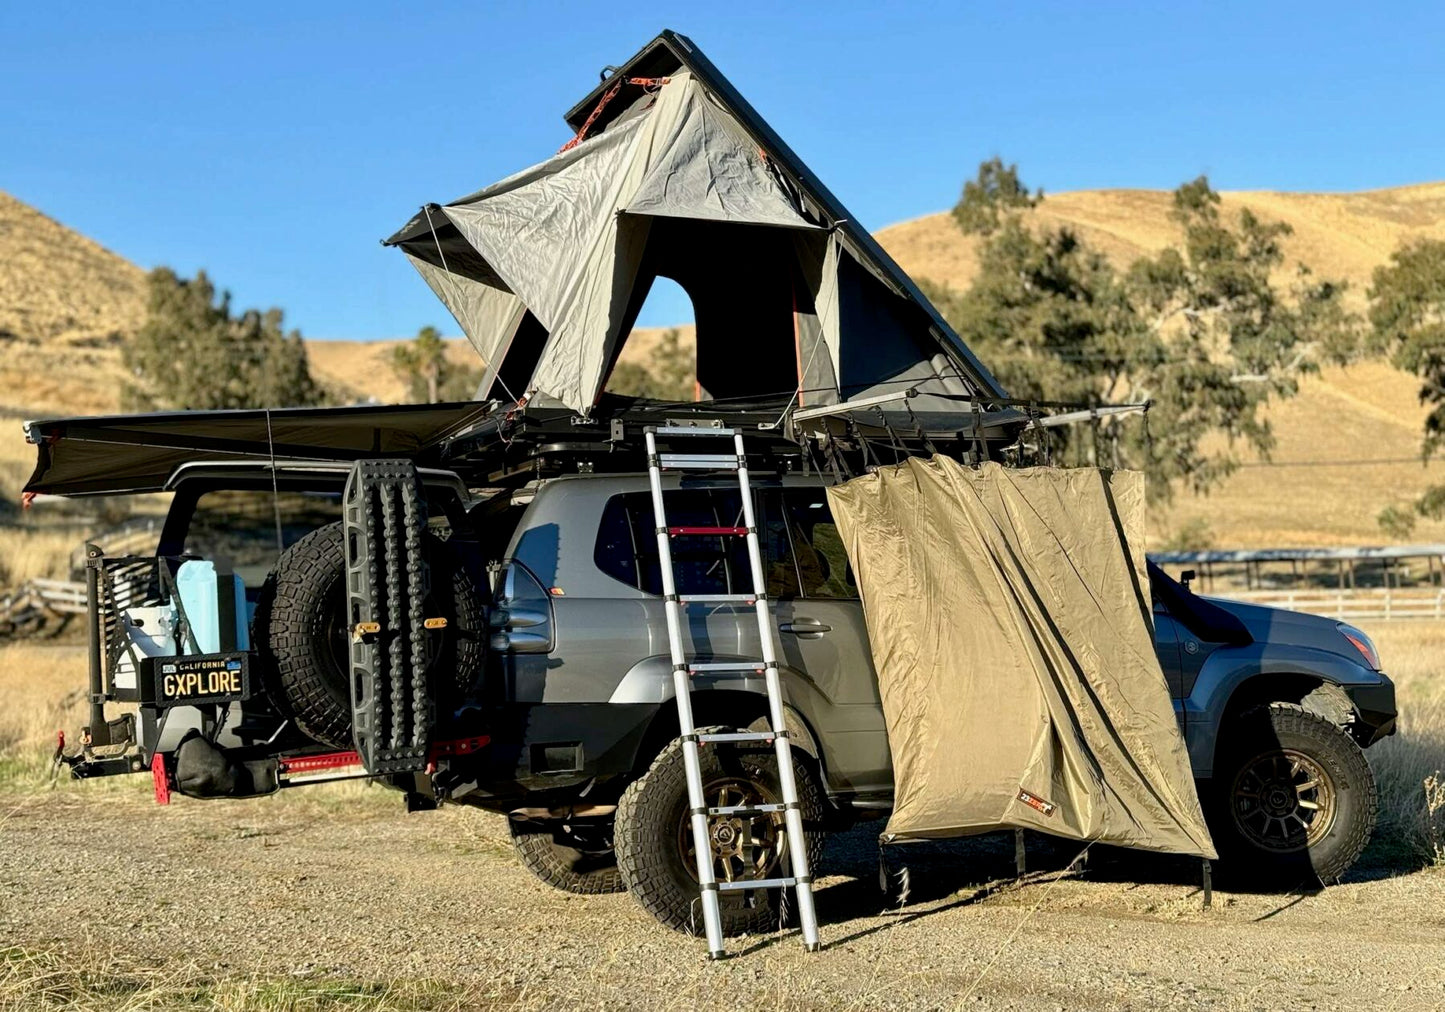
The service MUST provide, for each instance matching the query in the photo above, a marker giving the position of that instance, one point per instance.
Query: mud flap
(393, 709)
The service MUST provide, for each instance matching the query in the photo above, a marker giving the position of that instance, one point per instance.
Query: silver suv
(563, 671)
(1274, 705)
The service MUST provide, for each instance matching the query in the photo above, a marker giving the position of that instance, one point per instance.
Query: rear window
(626, 547)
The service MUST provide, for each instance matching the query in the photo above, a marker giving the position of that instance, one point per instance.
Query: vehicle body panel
(612, 648)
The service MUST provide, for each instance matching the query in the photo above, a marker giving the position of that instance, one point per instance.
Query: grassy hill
(1315, 492)
(1339, 235)
(66, 303)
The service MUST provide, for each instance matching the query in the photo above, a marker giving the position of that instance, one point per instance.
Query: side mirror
(1187, 577)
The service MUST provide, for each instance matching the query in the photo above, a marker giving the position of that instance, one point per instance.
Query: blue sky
(274, 145)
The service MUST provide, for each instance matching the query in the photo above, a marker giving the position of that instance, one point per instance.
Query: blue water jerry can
(214, 604)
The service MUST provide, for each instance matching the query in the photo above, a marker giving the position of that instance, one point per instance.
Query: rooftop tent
(674, 175)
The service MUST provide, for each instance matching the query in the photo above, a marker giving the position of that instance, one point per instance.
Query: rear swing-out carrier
(170, 635)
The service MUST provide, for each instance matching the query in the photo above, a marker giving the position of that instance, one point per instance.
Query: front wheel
(655, 849)
(575, 857)
(1294, 797)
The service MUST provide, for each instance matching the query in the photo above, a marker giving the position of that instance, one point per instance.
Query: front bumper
(1375, 710)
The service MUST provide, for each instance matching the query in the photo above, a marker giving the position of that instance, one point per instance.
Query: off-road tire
(652, 812)
(1256, 734)
(570, 869)
(302, 611)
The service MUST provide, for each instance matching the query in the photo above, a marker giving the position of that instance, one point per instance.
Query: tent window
(667, 305)
(743, 283)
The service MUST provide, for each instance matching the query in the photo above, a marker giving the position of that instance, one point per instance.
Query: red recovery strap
(647, 83)
(339, 760)
(161, 779)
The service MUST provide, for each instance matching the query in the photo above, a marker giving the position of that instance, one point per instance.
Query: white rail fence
(38, 604)
(1369, 603)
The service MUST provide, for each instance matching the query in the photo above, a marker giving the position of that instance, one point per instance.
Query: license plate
(200, 678)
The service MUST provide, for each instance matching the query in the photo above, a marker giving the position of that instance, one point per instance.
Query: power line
(1357, 462)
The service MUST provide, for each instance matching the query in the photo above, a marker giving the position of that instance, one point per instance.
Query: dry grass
(57, 285)
(44, 688)
(1410, 765)
(358, 370)
(26, 553)
(1317, 492)
(60, 981)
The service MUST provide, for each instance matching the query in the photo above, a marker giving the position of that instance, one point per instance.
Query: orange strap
(646, 83)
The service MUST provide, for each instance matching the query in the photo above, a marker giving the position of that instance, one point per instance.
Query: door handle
(805, 627)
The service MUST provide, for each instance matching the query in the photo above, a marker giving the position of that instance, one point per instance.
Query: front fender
(1228, 668)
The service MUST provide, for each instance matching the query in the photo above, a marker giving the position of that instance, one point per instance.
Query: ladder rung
(680, 532)
(699, 461)
(736, 736)
(705, 667)
(757, 883)
(693, 430)
(717, 599)
(746, 809)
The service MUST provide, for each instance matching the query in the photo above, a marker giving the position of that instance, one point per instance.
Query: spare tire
(303, 638)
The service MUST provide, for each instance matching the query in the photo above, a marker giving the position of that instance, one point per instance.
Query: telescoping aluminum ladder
(683, 668)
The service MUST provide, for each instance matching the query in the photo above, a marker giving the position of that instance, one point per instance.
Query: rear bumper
(1375, 707)
(549, 750)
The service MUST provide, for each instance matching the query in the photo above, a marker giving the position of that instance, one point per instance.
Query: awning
(123, 454)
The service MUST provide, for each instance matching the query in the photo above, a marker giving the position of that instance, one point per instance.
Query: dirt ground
(336, 894)
(332, 898)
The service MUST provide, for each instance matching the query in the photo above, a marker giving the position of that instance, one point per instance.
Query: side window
(778, 567)
(822, 562)
(616, 553)
(239, 527)
(626, 546)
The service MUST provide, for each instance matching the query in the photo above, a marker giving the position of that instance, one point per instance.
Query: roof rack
(517, 444)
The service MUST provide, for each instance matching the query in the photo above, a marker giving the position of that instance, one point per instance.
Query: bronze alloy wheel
(1283, 801)
(744, 846)
(653, 832)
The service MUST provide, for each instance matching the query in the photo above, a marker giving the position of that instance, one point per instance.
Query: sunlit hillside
(1339, 235)
(1347, 445)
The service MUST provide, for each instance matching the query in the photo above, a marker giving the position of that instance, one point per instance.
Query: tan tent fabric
(1009, 617)
(674, 175)
(568, 235)
(489, 316)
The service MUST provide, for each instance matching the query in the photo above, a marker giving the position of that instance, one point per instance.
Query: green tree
(1200, 330)
(991, 196)
(1407, 316)
(670, 373)
(429, 374)
(192, 353)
